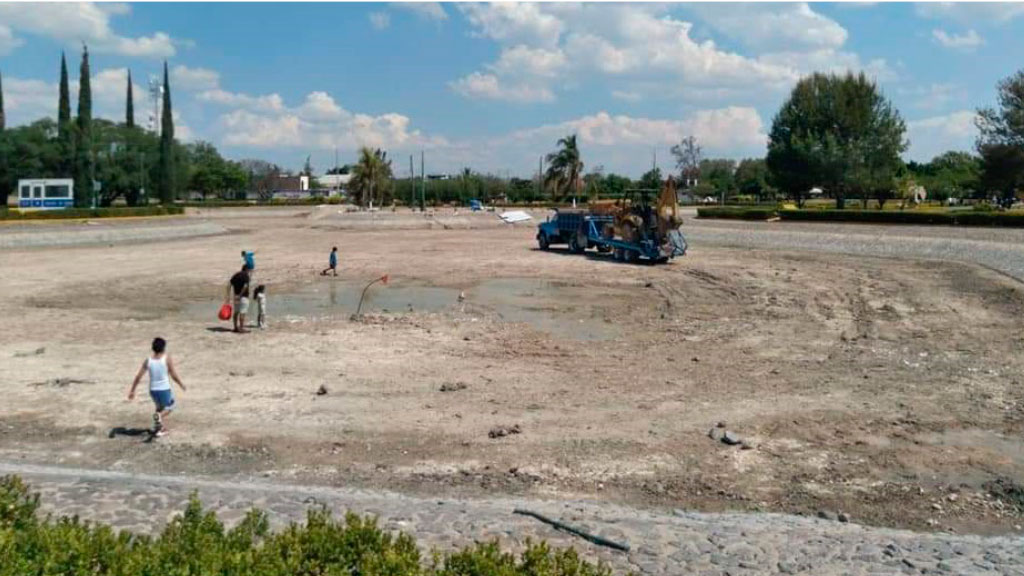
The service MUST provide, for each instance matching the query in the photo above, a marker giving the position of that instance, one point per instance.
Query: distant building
(43, 194)
(334, 182)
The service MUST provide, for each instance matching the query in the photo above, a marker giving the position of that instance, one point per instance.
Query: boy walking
(333, 263)
(161, 371)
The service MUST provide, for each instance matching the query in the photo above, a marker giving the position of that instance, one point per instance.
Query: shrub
(963, 218)
(738, 212)
(67, 213)
(196, 543)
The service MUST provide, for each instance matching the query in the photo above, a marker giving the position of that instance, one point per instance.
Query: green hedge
(90, 213)
(738, 212)
(962, 218)
(197, 543)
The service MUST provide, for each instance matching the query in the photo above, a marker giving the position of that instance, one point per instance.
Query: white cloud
(514, 22)
(965, 42)
(627, 96)
(379, 20)
(269, 102)
(934, 97)
(318, 123)
(721, 129)
(83, 22)
(27, 100)
(194, 79)
(488, 86)
(773, 26)
(549, 47)
(8, 42)
(523, 60)
(971, 12)
(428, 10)
(932, 136)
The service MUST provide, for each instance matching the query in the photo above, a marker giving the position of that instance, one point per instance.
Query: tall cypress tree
(3, 119)
(129, 108)
(65, 135)
(4, 190)
(166, 145)
(83, 145)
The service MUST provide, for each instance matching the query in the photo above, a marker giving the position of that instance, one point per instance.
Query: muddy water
(558, 309)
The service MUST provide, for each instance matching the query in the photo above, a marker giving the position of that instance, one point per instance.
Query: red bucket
(225, 312)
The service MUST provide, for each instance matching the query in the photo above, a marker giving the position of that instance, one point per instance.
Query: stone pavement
(661, 543)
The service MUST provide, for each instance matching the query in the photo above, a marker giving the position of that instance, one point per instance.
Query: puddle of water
(557, 308)
(340, 298)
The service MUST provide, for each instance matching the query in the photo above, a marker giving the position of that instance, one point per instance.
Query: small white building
(43, 194)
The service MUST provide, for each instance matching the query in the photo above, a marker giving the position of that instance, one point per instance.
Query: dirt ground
(888, 390)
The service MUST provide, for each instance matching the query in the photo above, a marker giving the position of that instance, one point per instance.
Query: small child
(159, 366)
(261, 305)
(332, 263)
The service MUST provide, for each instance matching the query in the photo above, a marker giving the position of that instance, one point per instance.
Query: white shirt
(158, 379)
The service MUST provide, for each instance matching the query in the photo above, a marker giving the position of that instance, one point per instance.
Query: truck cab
(563, 227)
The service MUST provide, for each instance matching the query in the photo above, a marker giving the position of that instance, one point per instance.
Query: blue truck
(570, 227)
(581, 230)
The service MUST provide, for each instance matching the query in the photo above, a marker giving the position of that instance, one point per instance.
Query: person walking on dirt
(161, 370)
(332, 263)
(249, 259)
(238, 287)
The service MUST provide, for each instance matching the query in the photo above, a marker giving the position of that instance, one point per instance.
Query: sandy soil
(889, 390)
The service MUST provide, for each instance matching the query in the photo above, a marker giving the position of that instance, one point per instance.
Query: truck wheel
(574, 245)
(542, 241)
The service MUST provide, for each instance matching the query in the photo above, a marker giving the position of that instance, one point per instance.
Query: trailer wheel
(543, 242)
(629, 256)
(617, 254)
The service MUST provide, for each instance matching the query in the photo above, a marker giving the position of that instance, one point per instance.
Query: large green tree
(720, 175)
(564, 169)
(1001, 141)
(371, 176)
(166, 183)
(751, 178)
(953, 174)
(65, 129)
(84, 161)
(837, 132)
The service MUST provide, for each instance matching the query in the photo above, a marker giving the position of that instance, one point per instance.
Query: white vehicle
(43, 194)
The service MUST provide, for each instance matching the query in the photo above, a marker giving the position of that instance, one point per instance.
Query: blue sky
(493, 86)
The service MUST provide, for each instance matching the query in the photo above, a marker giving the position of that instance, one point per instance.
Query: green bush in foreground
(738, 212)
(69, 213)
(197, 543)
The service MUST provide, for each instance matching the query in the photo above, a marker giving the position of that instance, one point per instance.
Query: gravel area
(661, 543)
(998, 249)
(91, 232)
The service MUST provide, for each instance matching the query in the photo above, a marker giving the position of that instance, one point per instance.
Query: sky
(494, 86)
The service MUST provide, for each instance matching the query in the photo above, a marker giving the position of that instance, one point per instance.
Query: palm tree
(564, 168)
(371, 176)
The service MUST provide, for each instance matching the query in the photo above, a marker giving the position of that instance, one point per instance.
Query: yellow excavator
(631, 228)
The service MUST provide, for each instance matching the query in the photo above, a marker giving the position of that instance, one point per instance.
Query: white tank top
(158, 379)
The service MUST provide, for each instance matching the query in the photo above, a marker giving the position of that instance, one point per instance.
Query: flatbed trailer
(647, 248)
(582, 230)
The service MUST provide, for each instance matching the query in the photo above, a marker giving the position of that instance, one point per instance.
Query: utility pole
(540, 177)
(423, 183)
(412, 183)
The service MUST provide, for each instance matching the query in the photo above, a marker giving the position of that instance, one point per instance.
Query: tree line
(127, 161)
